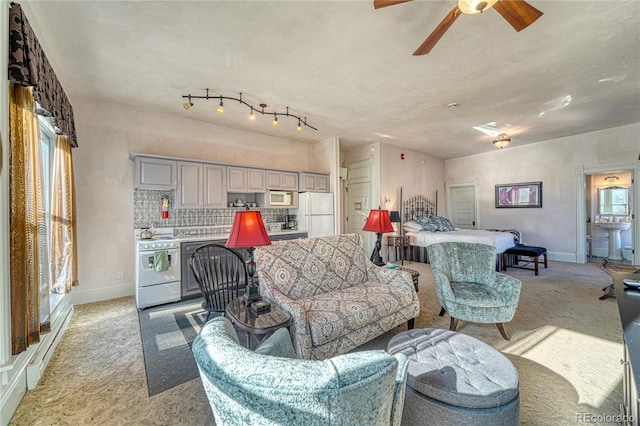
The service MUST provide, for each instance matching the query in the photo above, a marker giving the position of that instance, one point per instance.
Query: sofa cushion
(477, 295)
(333, 315)
(308, 267)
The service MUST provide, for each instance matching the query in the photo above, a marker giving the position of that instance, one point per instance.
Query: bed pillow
(427, 223)
(412, 226)
(441, 224)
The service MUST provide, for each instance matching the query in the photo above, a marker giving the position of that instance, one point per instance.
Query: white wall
(417, 174)
(553, 162)
(107, 133)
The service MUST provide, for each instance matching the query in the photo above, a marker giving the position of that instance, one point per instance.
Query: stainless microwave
(282, 198)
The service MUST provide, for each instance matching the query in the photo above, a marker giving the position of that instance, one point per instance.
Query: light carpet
(565, 343)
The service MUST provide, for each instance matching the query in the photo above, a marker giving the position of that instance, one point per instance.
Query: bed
(420, 206)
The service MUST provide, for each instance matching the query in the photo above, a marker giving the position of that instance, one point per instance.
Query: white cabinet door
(282, 180)
(190, 185)
(274, 179)
(236, 179)
(290, 181)
(314, 182)
(256, 180)
(215, 186)
(154, 173)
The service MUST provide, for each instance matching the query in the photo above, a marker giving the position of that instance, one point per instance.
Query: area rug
(167, 333)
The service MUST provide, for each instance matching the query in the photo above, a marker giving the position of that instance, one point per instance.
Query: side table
(256, 327)
(414, 276)
(398, 242)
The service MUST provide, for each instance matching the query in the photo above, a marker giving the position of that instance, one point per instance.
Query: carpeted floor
(565, 343)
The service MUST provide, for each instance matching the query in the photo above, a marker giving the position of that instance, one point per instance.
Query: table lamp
(378, 222)
(394, 216)
(248, 232)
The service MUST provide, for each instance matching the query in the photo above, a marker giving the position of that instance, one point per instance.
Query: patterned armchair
(272, 387)
(337, 298)
(469, 288)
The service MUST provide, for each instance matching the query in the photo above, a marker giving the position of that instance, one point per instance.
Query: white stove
(157, 284)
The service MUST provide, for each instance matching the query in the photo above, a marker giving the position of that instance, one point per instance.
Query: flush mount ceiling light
(302, 121)
(502, 140)
(612, 180)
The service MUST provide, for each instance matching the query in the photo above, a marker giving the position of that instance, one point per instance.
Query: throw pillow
(441, 224)
(427, 223)
(278, 344)
(412, 226)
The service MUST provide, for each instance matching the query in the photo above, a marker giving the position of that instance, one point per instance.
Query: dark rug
(167, 333)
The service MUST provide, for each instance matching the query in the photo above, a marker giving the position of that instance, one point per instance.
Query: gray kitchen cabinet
(200, 185)
(154, 173)
(280, 180)
(242, 179)
(313, 182)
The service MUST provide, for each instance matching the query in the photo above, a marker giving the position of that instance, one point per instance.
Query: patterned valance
(28, 66)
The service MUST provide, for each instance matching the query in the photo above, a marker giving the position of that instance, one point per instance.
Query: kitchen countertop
(224, 237)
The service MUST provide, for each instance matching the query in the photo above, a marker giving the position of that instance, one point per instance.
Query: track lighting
(187, 105)
(220, 107)
(252, 116)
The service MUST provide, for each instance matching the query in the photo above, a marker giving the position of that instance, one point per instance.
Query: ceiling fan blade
(377, 4)
(437, 34)
(518, 13)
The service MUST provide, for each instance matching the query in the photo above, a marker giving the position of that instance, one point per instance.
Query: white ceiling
(350, 70)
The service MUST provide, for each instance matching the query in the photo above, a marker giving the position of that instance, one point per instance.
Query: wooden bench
(532, 253)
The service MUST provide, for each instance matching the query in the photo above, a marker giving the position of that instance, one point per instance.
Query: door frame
(581, 201)
(475, 184)
(367, 238)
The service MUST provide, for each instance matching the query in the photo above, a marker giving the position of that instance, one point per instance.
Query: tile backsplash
(147, 213)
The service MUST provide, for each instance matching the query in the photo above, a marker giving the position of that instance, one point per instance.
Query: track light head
(220, 109)
(275, 120)
(187, 105)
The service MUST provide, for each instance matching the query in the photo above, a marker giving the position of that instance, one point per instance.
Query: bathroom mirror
(613, 200)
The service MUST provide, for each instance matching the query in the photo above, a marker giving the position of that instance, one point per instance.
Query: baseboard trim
(16, 386)
(101, 294)
(562, 257)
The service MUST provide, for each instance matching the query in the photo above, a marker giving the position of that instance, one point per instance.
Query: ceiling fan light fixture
(502, 140)
(472, 7)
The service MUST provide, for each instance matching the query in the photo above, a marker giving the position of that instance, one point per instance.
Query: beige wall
(553, 162)
(107, 133)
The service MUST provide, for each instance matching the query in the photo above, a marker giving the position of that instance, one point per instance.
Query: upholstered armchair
(271, 387)
(469, 288)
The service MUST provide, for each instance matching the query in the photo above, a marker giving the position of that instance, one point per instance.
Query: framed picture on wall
(513, 195)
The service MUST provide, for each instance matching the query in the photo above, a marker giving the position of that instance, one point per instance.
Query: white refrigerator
(315, 213)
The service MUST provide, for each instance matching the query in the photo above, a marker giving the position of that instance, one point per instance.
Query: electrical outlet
(120, 275)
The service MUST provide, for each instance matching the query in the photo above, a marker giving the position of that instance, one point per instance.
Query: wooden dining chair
(221, 274)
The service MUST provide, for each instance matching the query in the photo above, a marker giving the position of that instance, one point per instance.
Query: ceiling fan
(518, 13)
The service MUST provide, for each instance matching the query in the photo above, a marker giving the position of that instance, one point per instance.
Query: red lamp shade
(248, 231)
(378, 221)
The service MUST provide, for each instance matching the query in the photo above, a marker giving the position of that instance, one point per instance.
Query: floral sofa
(337, 298)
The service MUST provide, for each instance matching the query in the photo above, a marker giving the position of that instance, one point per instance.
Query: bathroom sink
(623, 226)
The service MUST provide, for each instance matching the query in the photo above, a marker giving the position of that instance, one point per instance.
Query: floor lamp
(378, 222)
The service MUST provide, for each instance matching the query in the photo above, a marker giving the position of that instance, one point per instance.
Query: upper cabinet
(154, 173)
(242, 179)
(282, 180)
(314, 182)
(200, 185)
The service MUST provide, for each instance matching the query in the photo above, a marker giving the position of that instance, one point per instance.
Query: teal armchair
(272, 387)
(469, 288)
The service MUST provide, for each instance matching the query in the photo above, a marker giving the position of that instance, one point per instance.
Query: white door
(359, 201)
(462, 206)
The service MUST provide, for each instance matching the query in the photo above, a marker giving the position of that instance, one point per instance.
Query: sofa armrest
(299, 328)
(392, 277)
(443, 288)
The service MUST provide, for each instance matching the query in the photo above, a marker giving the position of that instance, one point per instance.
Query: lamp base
(375, 255)
(252, 294)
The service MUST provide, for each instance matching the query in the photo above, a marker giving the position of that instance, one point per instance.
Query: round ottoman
(454, 379)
